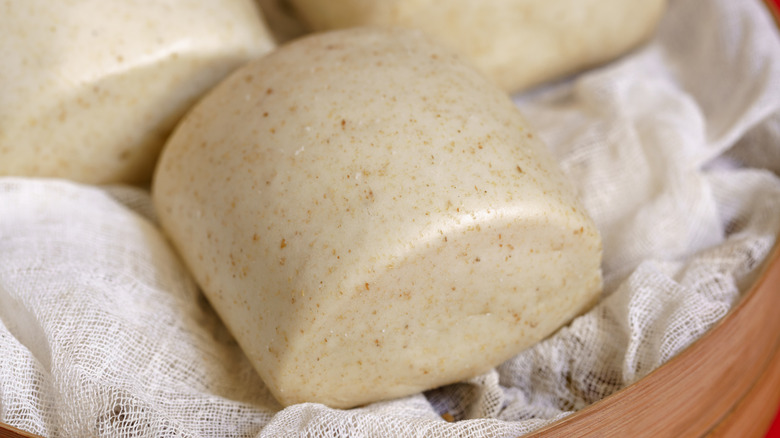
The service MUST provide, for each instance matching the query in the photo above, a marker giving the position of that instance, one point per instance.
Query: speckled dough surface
(90, 89)
(519, 43)
(372, 218)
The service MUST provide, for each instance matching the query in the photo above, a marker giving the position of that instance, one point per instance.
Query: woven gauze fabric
(673, 149)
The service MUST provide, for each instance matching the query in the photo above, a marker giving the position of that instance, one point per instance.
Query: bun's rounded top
(372, 217)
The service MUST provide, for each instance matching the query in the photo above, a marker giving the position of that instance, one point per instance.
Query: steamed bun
(90, 89)
(518, 43)
(371, 218)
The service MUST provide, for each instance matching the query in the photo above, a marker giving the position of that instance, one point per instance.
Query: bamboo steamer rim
(703, 391)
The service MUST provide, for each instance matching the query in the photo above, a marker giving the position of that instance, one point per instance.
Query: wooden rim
(753, 415)
(7, 431)
(696, 392)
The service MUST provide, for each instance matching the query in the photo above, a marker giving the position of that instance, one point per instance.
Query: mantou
(372, 217)
(518, 43)
(91, 89)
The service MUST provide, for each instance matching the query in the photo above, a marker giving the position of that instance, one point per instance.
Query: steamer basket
(726, 384)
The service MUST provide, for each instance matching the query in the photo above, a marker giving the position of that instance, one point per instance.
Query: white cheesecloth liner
(674, 150)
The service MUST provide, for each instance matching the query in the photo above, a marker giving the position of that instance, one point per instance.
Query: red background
(774, 431)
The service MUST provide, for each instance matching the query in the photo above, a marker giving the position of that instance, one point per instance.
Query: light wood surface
(7, 431)
(753, 415)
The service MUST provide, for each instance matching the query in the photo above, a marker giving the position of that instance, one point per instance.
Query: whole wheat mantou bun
(91, 89)
(518, 43)
(371, 218)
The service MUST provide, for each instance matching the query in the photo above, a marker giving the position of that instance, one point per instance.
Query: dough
(373, 218)
(90, 89)
(519, 43)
